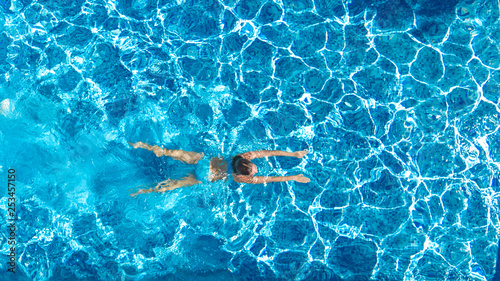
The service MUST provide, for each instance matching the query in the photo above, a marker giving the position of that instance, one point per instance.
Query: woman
(216, 169)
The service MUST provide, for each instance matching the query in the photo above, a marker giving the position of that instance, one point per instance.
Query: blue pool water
(397, 102)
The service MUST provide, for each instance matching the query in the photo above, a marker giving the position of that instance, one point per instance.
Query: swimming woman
(216, 169)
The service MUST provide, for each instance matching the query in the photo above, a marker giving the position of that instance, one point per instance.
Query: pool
(397, 102)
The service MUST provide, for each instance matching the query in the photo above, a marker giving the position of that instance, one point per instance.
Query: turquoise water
(397, 102)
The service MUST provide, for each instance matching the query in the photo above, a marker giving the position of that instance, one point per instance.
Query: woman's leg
(188, 157)
(169, 185)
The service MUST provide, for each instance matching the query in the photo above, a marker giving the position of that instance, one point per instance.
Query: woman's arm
(259, 180)
(266, 153)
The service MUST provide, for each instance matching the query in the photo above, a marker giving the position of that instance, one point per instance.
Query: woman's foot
(135, 145)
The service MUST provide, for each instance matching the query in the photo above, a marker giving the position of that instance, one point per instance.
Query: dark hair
(241, 165)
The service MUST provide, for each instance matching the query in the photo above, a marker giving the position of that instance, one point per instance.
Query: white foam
(6, 107)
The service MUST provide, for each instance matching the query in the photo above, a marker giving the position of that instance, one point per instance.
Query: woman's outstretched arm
(259, 180)
(266, 153)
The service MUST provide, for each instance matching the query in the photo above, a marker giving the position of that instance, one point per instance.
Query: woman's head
(243, 166)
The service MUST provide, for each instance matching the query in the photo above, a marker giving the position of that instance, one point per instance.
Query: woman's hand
(301, 178)
(300, 154)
